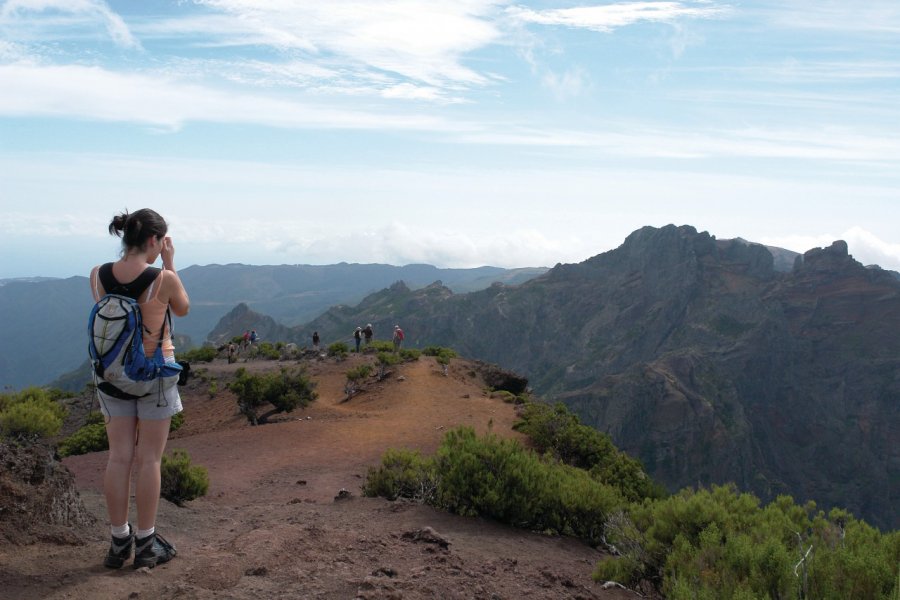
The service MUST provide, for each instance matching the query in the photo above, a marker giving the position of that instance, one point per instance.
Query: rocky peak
(240, 319)
(834, 257)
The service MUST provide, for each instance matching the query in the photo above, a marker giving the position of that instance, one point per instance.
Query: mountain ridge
(698, 356)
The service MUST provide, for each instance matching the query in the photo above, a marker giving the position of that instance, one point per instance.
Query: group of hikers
(249, 338)
(362, 336)
(367, 333)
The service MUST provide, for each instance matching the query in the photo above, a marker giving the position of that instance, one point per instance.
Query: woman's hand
(168, 253)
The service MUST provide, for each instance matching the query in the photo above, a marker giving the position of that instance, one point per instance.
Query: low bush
(205, 353)
(410, 354)
(285, 390)
(402, 474)
(176, 422)
(360, 372)
(555, 430)
(32, 413)
(439, 351)
(385, 359)
(338, 350)
(266, 351)
(504, 395)
(499, 479)
(182, 482)
(720, 543)
(377, 346)
(354, 376)
(89, 438)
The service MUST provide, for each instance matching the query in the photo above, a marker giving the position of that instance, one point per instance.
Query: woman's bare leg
(151, 444)
(121, 432)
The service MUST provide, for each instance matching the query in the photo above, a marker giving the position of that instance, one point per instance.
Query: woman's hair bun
(117, 226)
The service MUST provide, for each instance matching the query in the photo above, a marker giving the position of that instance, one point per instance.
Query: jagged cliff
(698, 356)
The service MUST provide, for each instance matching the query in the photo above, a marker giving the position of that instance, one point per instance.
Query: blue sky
(457, 133)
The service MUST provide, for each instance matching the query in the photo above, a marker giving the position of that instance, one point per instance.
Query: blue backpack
(116, 341)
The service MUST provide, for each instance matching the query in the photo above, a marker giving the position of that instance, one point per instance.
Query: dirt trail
(270, 526)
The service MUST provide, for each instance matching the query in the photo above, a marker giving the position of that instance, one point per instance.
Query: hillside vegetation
(563, 478)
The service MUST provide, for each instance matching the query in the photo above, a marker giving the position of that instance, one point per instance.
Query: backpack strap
(133, 289)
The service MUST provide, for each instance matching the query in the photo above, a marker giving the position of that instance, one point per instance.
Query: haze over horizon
(447, 132)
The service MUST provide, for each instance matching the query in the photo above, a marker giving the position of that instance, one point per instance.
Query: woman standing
(157, 291)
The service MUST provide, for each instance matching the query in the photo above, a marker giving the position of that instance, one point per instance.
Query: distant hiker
(246, 341)
(357, 337)
(398, 338)
(158, 293)
(253, 337)
(316, 341)
(368, 332)
(232, 353)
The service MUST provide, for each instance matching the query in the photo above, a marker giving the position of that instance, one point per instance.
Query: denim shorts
(151, 408)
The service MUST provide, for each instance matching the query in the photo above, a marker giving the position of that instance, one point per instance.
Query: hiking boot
(119, 550)
(152, 550)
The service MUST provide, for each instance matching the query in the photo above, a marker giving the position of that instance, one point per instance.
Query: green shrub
(267, 351)
(504, 395)
(284, 390)
(213, 388)
(32, 412)
(719, 543)
(180, 481)
(177, 421)
(402, 474)
(205, 353)
(555, 430)
(360, 372)
(499, 479)
(410, 354)
(89, 438)
(377, 346)
(439, 351)
(385, 359)
(339, 350)
(354, 376)
(29, 419)
(95, 417)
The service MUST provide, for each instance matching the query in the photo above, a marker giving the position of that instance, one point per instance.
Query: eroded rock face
(501, 379)
(38, 498)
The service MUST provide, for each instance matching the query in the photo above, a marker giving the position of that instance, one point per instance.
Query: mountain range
(44, 319)
(708, 359)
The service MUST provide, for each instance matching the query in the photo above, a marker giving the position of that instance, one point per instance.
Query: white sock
(120, 531)
(144, 533)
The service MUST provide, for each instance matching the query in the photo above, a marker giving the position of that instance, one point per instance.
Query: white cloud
(423, 41)
(570, 84)
(872, 16)
(607, 17)
(103, 95)
(32, 225)
(17, 14)
(398, 243)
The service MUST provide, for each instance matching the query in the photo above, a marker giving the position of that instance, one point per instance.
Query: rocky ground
(273, 524)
